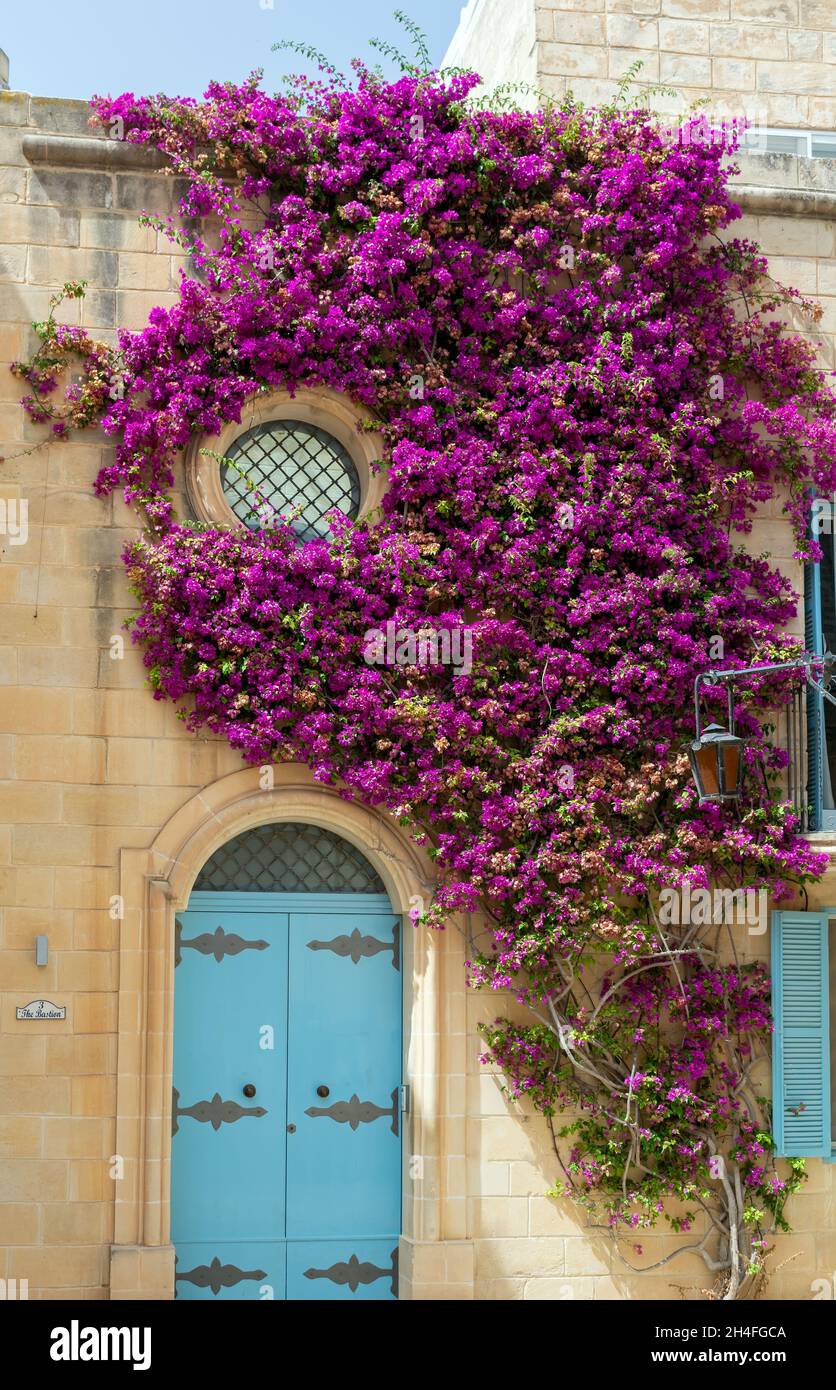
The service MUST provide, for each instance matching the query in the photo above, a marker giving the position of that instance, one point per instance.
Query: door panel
(348, 1270)
(343, 1161)
(287, 1193)
(228, 1154)
(208, 1271)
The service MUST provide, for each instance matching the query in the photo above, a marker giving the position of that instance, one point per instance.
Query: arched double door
(286, 1110)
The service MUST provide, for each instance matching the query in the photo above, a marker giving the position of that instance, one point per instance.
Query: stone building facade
(772, 57)
(771, 63)
(109, 809)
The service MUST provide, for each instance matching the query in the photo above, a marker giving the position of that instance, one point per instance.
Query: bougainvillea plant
(583, 393)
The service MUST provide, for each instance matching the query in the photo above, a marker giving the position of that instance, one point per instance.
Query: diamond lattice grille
(288, 464)
(288, 858)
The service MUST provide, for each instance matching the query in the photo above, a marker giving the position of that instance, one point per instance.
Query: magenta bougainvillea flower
(584, 394)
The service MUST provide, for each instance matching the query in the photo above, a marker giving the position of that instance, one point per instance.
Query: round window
(289, 466)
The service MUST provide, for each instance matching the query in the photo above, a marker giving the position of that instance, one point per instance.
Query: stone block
(816, 14)
(587, 1255)
(138, 271)
(683, 36)
(579, 28)
(62, 116)
(697, 9)
(497, 1290)
(814, 79)
(70, 188)
(12, 185)
(143, 193)
(622, 59)
(557, 1290)
(90, 1180)
(86, 970)
(41, 666)
(76, 1223)
(684, 70)
(804, 46)
(116, 231)
(78, 1138)
(573, 60)
(521, 1258)
(20, 926)
(41, 225)
(733, 74)
(95, 1013)
(14, 108)
(630, 31)
(20, 1137)
(58, 1266)
(498, 1216)
(34, 1095)
(768, 11)
(13, 266)
(19, 1222)
(49, 265)
(74, 1055)
(22, 1056)
(748, 41)
(28, 1179)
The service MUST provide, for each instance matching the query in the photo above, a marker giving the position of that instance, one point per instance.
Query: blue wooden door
(286, 1116)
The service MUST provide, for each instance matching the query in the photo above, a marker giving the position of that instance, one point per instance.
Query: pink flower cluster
(535, 309)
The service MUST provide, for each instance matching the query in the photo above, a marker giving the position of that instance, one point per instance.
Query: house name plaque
(42, 1009)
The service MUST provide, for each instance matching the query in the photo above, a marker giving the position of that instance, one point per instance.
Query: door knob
(323, 1091)
(291, 1129)
(249, 1090)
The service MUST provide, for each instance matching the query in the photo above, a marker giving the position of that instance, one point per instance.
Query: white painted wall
(496, 38)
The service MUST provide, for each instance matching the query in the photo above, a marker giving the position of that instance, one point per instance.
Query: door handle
(323, 1091)
(249, 1090)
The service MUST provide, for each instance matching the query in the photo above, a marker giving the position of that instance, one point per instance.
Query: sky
(75, 48)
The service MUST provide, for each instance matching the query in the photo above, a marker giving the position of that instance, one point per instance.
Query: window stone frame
(336, 414)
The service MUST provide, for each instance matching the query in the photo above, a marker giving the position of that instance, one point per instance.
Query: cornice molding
(89, 152)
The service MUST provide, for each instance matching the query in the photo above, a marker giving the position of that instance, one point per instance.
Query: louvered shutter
(813, 641)
(801, 1040)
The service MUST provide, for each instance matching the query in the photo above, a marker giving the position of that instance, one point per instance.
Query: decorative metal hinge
(215, 1112)
(352, 1273)
(217, 1276)
(355, 1112)
(356, 946)
(217, 943)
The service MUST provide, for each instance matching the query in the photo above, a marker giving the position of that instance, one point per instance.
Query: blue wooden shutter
(814, 642)
(801, 1040)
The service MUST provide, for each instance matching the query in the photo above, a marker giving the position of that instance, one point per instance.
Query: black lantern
(716, 755)
(716, 758)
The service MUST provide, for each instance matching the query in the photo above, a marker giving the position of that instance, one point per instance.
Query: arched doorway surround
(155, 883)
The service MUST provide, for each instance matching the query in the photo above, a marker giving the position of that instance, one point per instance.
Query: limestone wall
(774, 58)
(496, 38)
(91, 764)
(774, 55)
(95, 773)
(773, 62)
